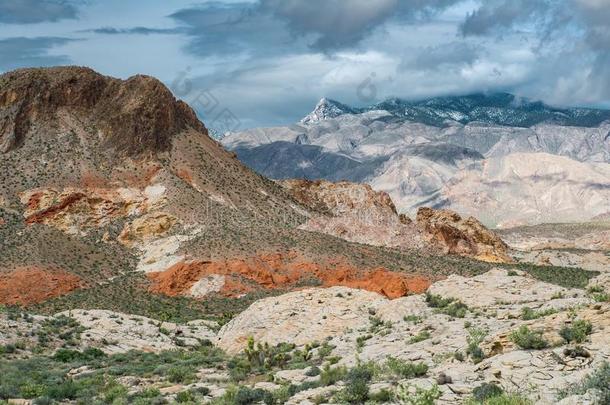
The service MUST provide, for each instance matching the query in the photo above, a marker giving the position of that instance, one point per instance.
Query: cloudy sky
(267, 62)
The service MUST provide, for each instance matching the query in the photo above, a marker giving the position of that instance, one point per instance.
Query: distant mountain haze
(504, 159)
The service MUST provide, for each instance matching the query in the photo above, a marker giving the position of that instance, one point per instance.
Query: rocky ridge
(357, 213)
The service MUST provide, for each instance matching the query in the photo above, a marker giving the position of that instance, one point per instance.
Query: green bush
(180, 374)
(448, 306)
(185, 396)
(527, 339)
(577, 332)
(330, 376)
(486, 391)
(114, 393)
(356, 390)
(406, 369)
(528, 313)
(68, 356)
(474, 339)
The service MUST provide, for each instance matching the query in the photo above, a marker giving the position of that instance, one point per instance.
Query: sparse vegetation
(577, 331)
(420, 337)
(528, 339)
(449, 306)
(528, 313)
(597, 383)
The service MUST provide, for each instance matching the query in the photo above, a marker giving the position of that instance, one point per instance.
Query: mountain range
(507, 160)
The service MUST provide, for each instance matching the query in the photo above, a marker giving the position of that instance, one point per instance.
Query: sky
(251, 63)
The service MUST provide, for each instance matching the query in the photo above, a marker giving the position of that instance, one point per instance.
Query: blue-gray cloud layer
(269, 61)
(35, 11)
(19, 52)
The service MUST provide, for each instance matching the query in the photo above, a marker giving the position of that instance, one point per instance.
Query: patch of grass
(528, 339)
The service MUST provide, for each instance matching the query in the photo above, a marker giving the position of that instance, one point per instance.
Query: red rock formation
(31, 285)
(285, 271)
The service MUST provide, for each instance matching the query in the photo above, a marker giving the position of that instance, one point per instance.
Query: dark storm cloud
(135, 31)
(26, 52)
(35, 11)
(578, 30)
(216, 28)
(340, 24)
(274, 26)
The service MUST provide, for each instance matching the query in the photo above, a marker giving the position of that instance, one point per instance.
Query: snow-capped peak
(325, 109)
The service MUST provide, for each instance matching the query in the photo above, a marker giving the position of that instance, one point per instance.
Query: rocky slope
(111, 189)
(357, 213)
(553, 162)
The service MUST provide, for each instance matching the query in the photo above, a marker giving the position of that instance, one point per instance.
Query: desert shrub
(406, 369)
(577, 332)
(67, 356)
(330, 376)
(421, 396)
(382, 396)
(412, 318)
(528, 339)
(486, 391)
(185, 396)
(597, 383)
(420, 337)
(356, 390)
(448, 306)
(114, 393)
(313, 371)
(528, 313)
(474, 339)
(180, 374)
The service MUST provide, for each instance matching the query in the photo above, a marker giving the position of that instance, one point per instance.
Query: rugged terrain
(143, 263)
(501, 336)
(505, 160)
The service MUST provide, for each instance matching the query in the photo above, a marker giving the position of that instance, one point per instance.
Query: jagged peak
(327, 108)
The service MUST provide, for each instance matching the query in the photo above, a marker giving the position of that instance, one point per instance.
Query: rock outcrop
(357, 213)
(449, 231)
(136, 115)
(31, 285)
(279, 271)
